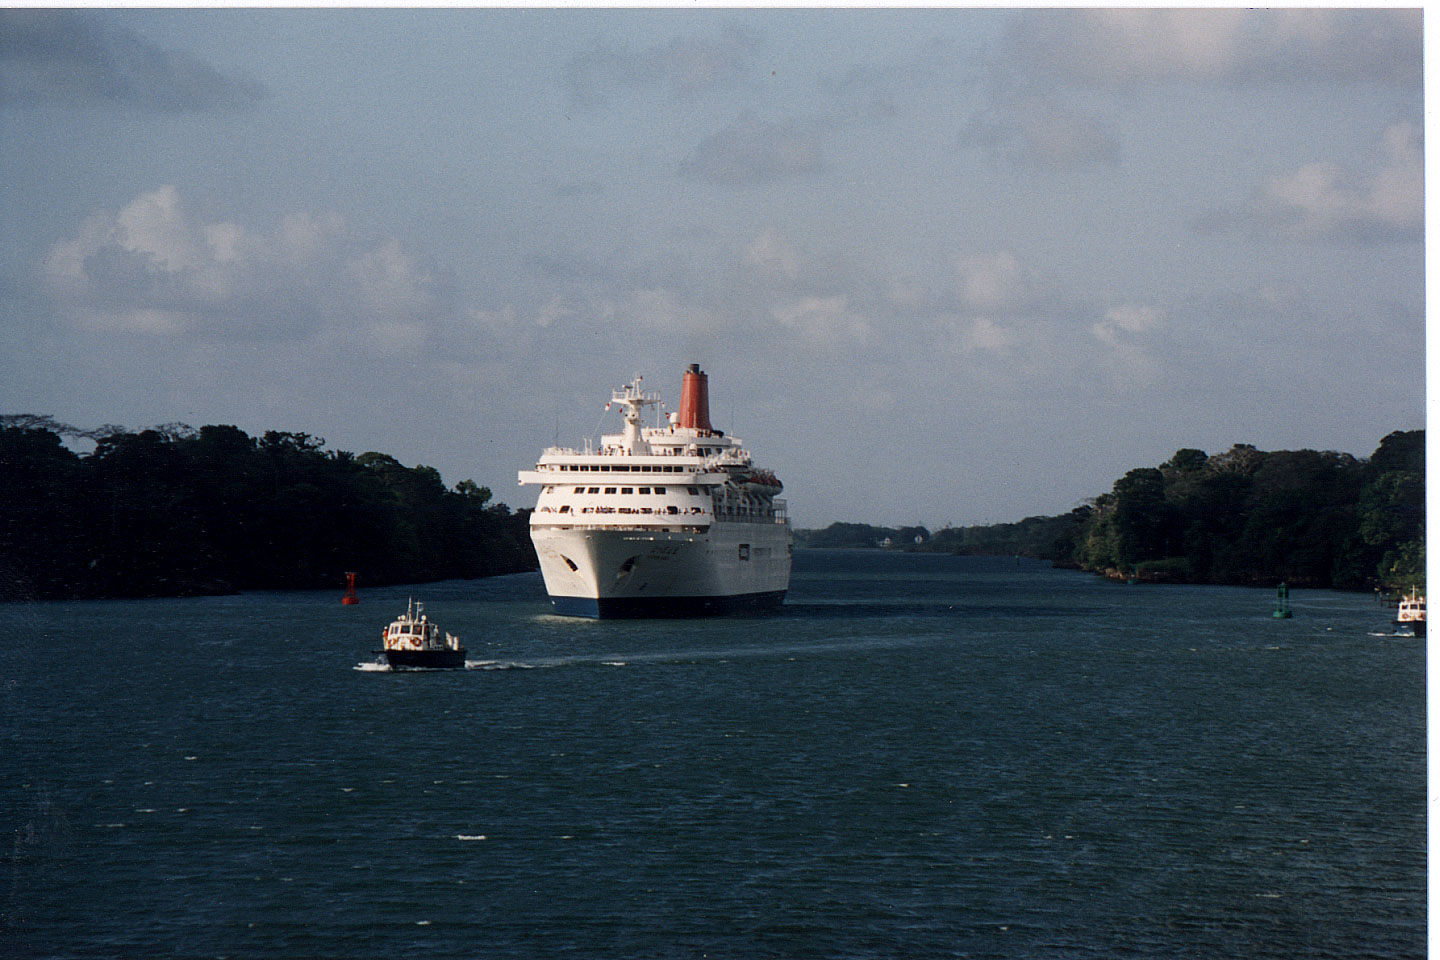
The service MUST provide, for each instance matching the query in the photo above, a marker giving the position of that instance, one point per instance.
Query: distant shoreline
(1245, 517)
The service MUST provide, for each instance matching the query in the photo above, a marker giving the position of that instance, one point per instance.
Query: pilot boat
(414, 640)
(1411, 614)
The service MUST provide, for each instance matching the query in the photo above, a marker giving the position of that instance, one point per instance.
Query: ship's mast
(634, 399)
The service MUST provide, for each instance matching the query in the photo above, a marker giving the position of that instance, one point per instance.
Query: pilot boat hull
(431, 659)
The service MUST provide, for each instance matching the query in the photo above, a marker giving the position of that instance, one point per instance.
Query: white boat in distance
(671, 520)
(1411, 613)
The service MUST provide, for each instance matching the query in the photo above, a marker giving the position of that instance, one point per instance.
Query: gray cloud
(568, 265)
(751, 150)
(152, 269)
(72, 58)
(1323, 200)
(1041, 130)
(876, 91)
(685, 66)
(1233, 46)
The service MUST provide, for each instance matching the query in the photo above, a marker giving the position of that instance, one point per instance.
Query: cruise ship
(661, 521)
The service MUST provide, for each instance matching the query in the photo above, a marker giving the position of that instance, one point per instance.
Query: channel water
(920, 756)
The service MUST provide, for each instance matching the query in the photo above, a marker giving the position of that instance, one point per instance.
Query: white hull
(637, 572)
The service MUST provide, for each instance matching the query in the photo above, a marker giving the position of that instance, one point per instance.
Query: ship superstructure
(669, 520)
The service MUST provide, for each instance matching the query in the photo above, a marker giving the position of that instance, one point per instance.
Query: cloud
(555, 310)
(1123, 325)
(151, 268)
(751, 150)
(390, 283)
(1323, 200)
(501, 322)
(1232, 46)
(875, 91)
(1042, 131)
(1125, 331)
(685, 66)
(824, 321)
(997, 283)
(985, 335)
(773, 255)
(1327, 200)
(568, 265)
(73, 58)
(662, 310)
(147, 257)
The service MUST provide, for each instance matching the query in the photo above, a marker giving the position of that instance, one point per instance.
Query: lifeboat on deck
(761, 482)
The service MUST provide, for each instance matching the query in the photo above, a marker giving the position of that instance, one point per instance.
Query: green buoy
(1282, 603)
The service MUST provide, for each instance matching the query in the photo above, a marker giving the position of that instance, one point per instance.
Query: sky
(943, 267)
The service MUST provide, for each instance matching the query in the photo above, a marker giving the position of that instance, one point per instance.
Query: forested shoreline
(174, 511)
(1245, 516)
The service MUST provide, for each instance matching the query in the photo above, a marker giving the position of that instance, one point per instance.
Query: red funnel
(695, 399)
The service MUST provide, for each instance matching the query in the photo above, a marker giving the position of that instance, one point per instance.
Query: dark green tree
(173, 510)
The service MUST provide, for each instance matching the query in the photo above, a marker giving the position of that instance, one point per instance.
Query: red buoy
(695, 399)
(349, 590)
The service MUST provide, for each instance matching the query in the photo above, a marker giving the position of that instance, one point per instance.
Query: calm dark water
(920, 757)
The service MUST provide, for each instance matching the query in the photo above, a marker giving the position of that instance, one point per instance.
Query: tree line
(850, 535)
(1245, 516)
(173, 511)
(1306, 517)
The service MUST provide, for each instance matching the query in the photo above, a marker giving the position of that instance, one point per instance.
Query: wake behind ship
(670, 520)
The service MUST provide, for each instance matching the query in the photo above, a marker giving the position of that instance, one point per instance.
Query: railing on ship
(726, 511)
